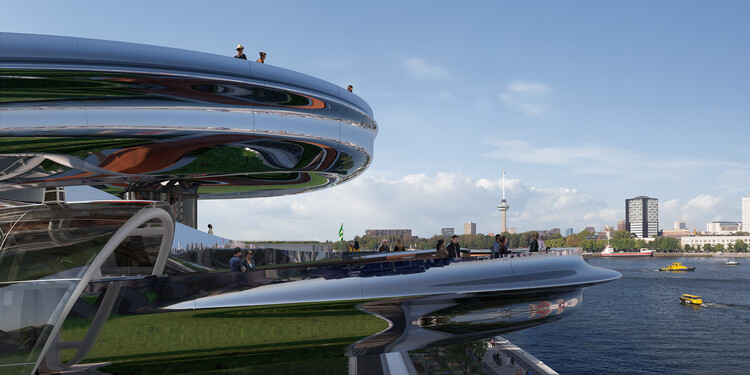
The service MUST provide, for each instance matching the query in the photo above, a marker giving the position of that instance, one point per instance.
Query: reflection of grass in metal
(188, 341)
(75, 146)
(316, 180)
(57, 85)
(224, 159)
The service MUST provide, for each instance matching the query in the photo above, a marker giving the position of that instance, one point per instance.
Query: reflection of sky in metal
(64, 115)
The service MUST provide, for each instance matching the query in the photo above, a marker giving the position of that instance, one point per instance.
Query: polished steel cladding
(130, 117)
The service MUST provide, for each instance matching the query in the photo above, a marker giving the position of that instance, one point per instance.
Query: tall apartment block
(642, 216)
(470, 228)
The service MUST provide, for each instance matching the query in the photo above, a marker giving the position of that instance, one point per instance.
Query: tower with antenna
(503, 207)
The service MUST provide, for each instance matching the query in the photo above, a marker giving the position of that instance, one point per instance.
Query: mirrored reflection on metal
(131, 118)
(49, 253)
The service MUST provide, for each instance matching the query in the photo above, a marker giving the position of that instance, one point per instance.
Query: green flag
(341, 232)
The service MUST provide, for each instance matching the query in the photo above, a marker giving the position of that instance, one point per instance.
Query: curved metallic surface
(131, 117)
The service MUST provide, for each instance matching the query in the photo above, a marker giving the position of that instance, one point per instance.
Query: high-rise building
(746, 213)
(447, 232)
(470, 228)
(642, 216)
(622, 225)
(568, 232)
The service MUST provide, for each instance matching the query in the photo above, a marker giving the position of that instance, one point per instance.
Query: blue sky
(583, 103)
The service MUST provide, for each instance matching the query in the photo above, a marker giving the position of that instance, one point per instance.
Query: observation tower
(503, 207)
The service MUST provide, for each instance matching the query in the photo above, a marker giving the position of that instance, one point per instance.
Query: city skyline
(609, 101)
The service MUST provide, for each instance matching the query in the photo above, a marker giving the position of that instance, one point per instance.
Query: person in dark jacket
(503, 247)
(454, 249)
(249, 263)
(239, 54)
(384, 245)
(496, 247)
(534, 244)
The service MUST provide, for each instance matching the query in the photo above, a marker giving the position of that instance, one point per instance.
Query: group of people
(241, 55)
(537, 243)
(238, 263)
(262, 59)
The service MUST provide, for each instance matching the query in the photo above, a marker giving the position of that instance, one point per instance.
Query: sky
(583, 103)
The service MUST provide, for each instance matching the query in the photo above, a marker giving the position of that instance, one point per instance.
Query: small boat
(732, 263)
(690, 299)
(609, 251)
(677, 267)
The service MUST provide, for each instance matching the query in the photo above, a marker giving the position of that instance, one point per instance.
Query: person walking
(239, 54)
(542, 246)
(534, 243)
(235, 263)
(384, 245)
(496, 246)
(262, 58)
(454, 249)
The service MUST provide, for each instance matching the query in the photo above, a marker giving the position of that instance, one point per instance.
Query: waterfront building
(406, 233)
(621, 225)
(723, 227)
(726, 240)
(447, 232)
(642, 216)
(470, 228)
(568, 232)
(675, 233)
(746, 213)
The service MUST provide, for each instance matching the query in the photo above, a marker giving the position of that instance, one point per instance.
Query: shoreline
(697, 255)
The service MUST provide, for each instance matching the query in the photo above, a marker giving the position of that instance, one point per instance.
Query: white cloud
(419, 202)
(418, 68)
(699, 210)
(529, 98)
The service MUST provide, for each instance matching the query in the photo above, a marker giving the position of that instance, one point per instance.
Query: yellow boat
(690, 299)
(677, 267)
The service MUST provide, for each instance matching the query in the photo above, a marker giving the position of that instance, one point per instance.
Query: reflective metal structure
(94, 282)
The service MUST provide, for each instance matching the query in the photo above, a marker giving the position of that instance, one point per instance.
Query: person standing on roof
(262, 58)
(239, 54)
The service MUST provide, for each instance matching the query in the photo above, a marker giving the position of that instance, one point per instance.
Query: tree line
(621, 240)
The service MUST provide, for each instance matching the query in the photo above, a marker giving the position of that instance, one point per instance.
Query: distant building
(746, 213)
(568, 232)
(699, 241)
(675, 233)
(590, 229)
(447, 232)
(555, 231)
(388, 232)
(723, 227)
(513, 230)
(642, 216)
(680, 225)
(622, 225)
(607, 231)
(470, 228)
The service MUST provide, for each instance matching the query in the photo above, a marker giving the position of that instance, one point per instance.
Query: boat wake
(726, 306)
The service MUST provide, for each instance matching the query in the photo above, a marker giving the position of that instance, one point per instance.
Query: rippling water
(637, 325)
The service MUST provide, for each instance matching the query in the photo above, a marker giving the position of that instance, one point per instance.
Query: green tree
(688, 248)
(740, 246)
(463, 353)
(719, 247)
(706, 247)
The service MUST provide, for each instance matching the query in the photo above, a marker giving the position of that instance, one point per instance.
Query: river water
(636, 325)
